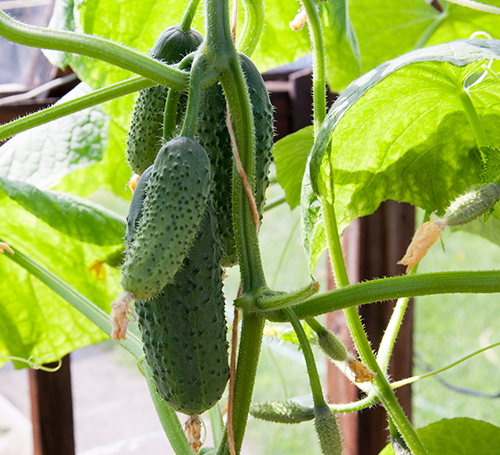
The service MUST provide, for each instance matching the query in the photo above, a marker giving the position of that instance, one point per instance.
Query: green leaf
(461, 436)
(45, 154)
(34, 320)
(380, 30)
(63, 18)
(313, 228)
(290, 156)
(427, 157)
(491, 164)
(71, 215)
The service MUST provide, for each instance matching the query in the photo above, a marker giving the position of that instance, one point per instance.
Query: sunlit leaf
(69, 214)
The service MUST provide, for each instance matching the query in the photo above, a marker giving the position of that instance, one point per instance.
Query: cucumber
(146, 129)
(184, 328)
(175, 201)
(472, 204)
(213, 135)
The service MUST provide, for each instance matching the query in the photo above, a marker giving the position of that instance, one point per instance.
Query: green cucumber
(175, 201)
(472, 204)
(184, 328)
(288, 412)
(213, 135)
(146, 128)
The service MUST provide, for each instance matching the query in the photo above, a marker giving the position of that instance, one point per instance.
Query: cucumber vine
(173, 214)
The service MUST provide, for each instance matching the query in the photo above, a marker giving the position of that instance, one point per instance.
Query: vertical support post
(52, 410)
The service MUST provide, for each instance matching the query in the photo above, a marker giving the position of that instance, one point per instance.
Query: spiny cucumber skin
(146, 128)
(472, 204)
(184, 328)
(328, 431)
(176, 197)
(213, 134)
(287, 412)
(331, 345)
(264, 129)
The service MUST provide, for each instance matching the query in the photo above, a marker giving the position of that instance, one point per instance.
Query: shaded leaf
(69, 214)
(45, 154)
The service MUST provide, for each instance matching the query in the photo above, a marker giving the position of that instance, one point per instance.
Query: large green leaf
(461, 436)
(47, 153)
(34, 320)
(400, 132)
(71, 215)
(384, 29)
(290, 156)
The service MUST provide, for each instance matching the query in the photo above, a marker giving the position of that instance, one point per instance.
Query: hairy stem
(246, 370)
(252, 27)
(168, 417)
(189, 14)
(463, 282)
(312, 370)
(70, 107)
(92, 46)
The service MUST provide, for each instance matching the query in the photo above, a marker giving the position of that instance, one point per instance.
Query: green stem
(189, 14)
(473, 118)
(101, 319)
(429, 31)
(391, 333)
(275, 202)
(246, 370)
(170, 117)
(359, 405)
(378, 290)
(70, 107)
(168, 417)
(189, 126)
(285, 300)
(92, 46)
(407, 381)
(217, 424)
(319, 66)
(238, 99)
(477, 6)
(312, 370)
(252, 27)
(380, 383)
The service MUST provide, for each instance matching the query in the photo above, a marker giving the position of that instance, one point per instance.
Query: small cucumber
(282, 412)
(146, 128)
(173, 208)
(472, 204)
(213, 135)
(184, 328)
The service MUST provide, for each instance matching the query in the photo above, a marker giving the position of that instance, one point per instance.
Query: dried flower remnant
(6, 247)
(192, 430)
(426, 235)
(120, 312)
(299, 20)
(361, 372)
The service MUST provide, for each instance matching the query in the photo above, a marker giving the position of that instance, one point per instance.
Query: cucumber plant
(200, 137)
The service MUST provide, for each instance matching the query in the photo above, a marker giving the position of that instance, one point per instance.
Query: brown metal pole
(52, 410)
